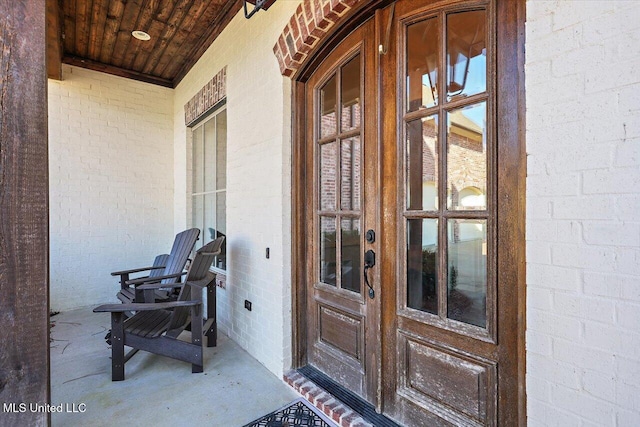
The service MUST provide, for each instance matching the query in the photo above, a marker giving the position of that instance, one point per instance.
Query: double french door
(402, 188)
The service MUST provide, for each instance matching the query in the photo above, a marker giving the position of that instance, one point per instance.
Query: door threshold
(341, 405)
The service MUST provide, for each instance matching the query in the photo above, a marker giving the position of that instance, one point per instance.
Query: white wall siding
(111, 182)
(583, 203)
(258, 181)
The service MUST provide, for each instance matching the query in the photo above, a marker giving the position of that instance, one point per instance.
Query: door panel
(341, 155)
(444, 329)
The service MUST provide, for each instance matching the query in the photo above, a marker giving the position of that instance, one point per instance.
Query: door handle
(369, 262)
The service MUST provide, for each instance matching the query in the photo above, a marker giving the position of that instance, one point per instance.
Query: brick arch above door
(311, 21)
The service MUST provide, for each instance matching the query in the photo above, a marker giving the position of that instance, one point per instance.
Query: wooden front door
(342, 158)
(413, 155)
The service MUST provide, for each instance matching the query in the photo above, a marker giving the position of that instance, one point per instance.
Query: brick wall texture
(111, 186)
(258, 181)
(583, 198)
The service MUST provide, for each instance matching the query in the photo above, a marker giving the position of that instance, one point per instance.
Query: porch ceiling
(96, 34)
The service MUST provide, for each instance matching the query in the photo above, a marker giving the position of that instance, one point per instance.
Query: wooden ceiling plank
(69, 29)
(54, 40)
(166, 10)
(194, 15)
(148, 47)
(170, 54)
(173, 22)
(116, 71)
(132, 10)
(112, 26)
(96, 30)
(148, 10)
(231, 9)
(83, 22)
(196, 30)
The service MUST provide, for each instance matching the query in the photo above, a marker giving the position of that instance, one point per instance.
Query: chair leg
(196, 336)
(117, 347)
(212, 335)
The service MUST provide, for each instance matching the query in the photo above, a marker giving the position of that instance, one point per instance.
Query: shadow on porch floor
(234, 389)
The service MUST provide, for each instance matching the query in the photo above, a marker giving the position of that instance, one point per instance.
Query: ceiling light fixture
(141, 35)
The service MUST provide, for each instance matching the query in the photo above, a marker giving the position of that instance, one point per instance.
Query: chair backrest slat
(182, 247)
(198, 270)
(160, 260)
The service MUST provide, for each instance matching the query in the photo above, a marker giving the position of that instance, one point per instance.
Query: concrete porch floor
(233, 390)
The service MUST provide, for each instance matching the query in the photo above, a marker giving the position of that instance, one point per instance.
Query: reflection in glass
(197, 165)
(328, 108)
(422, 64)
(221, 230)
(209, 222)
(467, 158)
(467, 271)
(422, 164)
(221, 150)
(422, 264)
(350, 174)
(209, 129)
(328, 250)
(197, 215)
(350, 254)
(466, 53)
(328, 164)
(350, 93)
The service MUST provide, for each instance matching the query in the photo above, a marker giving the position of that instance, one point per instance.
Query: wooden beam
(54, 40)
(24, 206)
(116, 71)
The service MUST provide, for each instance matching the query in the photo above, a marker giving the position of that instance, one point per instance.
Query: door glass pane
(467, 271)
(328, 108)
(466, 53)
(350, 93)
(350, 174)
(422, 64)
(467, 158)
(350, 265)
(422, 264)
(197, 161)
(328, 165)
(328, 250)
(422, 164)
(221, 151)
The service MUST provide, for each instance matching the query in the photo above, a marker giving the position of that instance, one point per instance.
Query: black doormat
(296, 413)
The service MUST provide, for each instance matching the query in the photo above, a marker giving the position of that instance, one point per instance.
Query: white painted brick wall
(258, 181)
(583, 203)
(111, 182)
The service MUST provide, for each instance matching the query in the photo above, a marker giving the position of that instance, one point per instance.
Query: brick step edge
(333, 408)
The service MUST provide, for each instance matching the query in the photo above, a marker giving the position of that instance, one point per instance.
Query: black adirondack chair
(156, 326)
(166, 269)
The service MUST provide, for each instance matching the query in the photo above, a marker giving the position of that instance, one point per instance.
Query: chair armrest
(142, 306)
(136, 270)
(153, 279)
